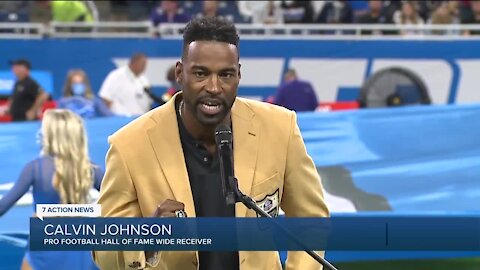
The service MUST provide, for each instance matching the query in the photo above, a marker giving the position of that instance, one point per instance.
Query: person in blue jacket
(79, 98)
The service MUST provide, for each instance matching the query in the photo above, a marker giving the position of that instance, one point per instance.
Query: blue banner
(337, 69)
(413, 233)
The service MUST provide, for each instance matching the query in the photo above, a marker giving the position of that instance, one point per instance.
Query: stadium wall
(337, 69)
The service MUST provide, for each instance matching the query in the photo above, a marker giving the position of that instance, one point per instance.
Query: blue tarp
(418, 158)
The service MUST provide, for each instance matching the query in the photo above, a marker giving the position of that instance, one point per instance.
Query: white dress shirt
(126, 92)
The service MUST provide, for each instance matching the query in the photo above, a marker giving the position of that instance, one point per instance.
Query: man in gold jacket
(156, 165)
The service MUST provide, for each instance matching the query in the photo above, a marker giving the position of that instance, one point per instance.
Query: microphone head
(223, 134)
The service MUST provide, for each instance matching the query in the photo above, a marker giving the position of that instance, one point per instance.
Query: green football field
(453, 264)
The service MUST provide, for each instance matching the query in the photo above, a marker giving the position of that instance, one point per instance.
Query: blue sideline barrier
(419, 159)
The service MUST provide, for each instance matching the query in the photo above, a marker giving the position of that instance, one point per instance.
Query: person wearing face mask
(79, 98)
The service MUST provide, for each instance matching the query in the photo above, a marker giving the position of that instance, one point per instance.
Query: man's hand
(167, 208)
(31, 115)
(34, 111)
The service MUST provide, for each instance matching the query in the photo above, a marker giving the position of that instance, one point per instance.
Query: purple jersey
(297, 95)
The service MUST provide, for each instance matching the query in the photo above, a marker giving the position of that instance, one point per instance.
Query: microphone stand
(238, 196)
(158, 100)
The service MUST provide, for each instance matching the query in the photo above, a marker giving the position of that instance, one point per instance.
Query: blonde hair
(67, 87)
(442, 15)
(64, 139)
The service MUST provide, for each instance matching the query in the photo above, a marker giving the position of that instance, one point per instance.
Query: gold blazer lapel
(165, 140)
(245, 147)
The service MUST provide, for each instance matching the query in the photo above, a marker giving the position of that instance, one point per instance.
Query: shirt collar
(130, 72)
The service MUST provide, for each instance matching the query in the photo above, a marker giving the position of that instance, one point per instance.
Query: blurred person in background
(44, 11)
(408, 15)
(79, 98)
(210, 10)
(390, 7)
(297, 11)
(168, 12)
(375, 15)
(295, 94)
(14, 11)
(74, 11)
(248, 8)
(27, 97)
(443, 15)
(271, 13)
(119, 10)
(454, 9)
(124, 91)
(335, 12)
(174, 85)
(464, 9)
(472, 16)
(261, 12)
(359, 7)
(40, 12)
(62, 174)
(71, 11)
(427, 7)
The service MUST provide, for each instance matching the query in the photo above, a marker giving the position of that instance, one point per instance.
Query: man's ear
(179, 72)
(239, 73)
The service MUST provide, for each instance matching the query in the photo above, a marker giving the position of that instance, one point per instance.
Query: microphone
(223, 139)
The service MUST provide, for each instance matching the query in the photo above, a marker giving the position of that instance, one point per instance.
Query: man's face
(210, 7)
(209, 76)
(169, 6)
(407, 9)
(139, 66)
(20, 71)
(375, 5)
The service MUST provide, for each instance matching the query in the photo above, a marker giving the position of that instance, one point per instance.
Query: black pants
(19, 118)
